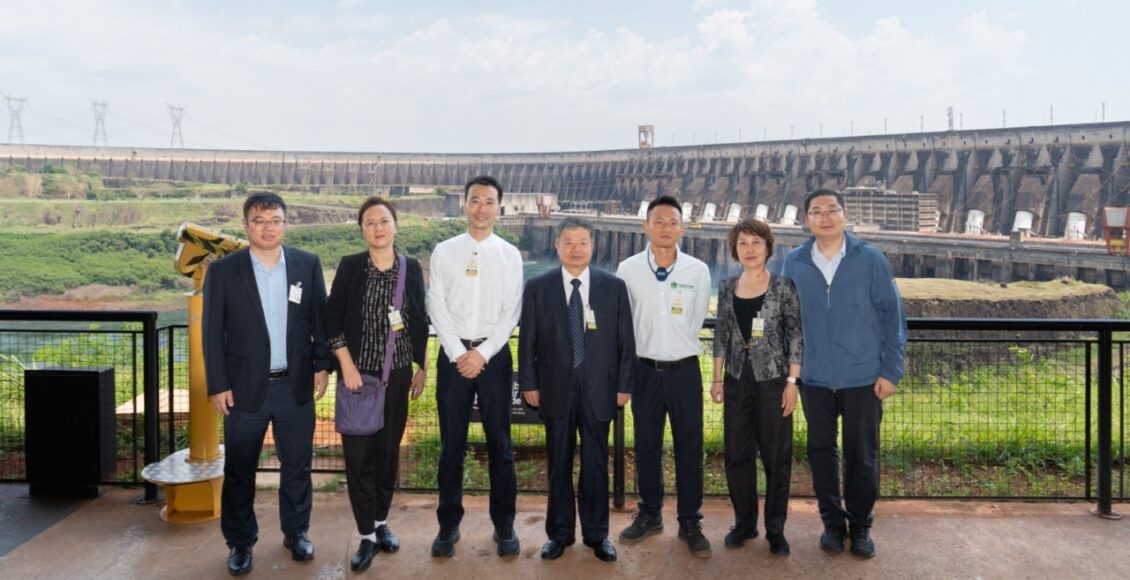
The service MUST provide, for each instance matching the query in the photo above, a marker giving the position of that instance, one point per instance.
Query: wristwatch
(791, 380)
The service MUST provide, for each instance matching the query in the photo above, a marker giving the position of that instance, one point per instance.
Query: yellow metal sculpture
(193, 477)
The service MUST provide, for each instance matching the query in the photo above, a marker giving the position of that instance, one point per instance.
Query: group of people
(829, 329)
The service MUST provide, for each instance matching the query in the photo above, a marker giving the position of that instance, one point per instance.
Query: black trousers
(561, 443)
(862, 412)
(753, 424)
(676, 394)
(293, 430)
(454, 396)
(372, 462)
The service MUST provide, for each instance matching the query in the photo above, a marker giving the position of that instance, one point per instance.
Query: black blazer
(237, 348)
(343, 313)
(545, 352)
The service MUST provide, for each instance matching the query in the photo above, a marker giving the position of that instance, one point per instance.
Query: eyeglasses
(262, 223)
(817, 214)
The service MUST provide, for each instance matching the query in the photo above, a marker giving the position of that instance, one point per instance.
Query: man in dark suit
(575, 357)
(266, 362)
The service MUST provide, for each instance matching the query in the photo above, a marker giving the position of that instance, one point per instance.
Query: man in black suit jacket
(266, 362)
(575, 356)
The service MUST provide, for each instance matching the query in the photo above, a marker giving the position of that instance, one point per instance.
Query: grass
(941, 289)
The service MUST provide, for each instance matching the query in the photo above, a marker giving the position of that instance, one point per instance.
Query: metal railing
(989, 408)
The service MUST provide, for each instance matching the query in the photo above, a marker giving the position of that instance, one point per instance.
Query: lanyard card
(395, 320)
(590, 318)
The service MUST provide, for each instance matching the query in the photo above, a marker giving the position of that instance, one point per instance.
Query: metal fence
(1031, 409)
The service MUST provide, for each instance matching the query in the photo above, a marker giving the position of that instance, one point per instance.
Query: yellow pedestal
(190, 503)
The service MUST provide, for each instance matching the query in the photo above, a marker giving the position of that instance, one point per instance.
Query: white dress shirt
(486, 305)
(661, 334)
(828, 267)
(567, 279)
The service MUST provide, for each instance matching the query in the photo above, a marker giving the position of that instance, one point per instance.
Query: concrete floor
(114, 537)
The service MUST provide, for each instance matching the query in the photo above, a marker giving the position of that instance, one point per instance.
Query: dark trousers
(753, 424)
(372, 462)
(676, 394)
(862, 412)
(561, 443)
(293, 430)
(454, 396)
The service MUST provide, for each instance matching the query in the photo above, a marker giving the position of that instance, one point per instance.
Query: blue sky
(360, 75)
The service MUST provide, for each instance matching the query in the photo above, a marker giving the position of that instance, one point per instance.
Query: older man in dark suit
(266, 362)
(575, 356)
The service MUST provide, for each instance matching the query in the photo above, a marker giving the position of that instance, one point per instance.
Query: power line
(99, 108)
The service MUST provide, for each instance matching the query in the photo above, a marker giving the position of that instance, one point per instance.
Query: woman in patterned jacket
(758, 343)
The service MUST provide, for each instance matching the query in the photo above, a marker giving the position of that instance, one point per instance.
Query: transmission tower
(15, 111)
(176, 113)
(99, 108)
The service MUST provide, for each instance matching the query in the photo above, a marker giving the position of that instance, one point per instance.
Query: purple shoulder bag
(362, 411)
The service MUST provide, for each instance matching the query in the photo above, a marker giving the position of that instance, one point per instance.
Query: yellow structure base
(190, 503)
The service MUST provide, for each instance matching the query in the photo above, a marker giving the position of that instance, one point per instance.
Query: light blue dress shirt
(273, 295)
(828, 267)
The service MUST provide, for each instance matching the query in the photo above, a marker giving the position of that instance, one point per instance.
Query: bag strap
(397, 302)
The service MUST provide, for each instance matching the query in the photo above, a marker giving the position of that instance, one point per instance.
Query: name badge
(395, 320)
(677, 305)
(473, 265)
(296, 293)
(590, 318)
(758, 328)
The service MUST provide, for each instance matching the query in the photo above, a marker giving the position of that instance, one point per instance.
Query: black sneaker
(861, 543)
(832, 540)
(444, 544)
(778, 545)
(643, 525)
(738, 535)
(691, 533)
(507, 541)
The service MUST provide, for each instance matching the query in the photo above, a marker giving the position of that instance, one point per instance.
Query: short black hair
(752, 227)
(483, 180)
(821, 193)
(376, 200)
(263, 200)
(664, 200)
(572, 223)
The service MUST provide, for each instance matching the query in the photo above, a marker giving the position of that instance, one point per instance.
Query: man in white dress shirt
(669, 292)
(474, 301)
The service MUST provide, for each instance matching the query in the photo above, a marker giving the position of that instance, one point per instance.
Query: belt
(279, 374)
(669, 365)
(469, 344)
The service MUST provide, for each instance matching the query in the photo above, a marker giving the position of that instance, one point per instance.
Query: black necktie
(577, 323)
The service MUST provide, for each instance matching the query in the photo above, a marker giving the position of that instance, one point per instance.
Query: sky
(532, 76)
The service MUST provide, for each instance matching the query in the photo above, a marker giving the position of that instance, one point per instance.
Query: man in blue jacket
(854, 343)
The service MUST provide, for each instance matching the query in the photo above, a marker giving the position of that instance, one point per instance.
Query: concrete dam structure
(1051, 181)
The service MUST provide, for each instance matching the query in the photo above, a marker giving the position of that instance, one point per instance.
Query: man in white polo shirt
(669, 292)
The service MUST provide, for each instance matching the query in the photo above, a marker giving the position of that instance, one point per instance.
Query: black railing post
(1106, 370)
(618, 460)
(152, 392)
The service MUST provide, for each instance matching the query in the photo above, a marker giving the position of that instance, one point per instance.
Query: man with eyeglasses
(854, 343)
(266, 362)
(669, 292)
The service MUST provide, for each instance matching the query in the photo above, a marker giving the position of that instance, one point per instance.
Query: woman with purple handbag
(377, 327)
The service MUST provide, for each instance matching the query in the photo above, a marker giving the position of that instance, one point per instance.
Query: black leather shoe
(507, 541)
(738, 535)
(444, 544)
(861, 543)
(690, 532)
(603, 549)
(301, 549)
(643, 525)
(387, 540)
(239, 560)
(363, 558)
(832, 540)
(778, 545)
(553, 549)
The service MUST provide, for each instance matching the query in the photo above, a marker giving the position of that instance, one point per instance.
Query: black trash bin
(69, 430)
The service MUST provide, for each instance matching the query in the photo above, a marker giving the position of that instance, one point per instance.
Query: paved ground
(113, 537)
